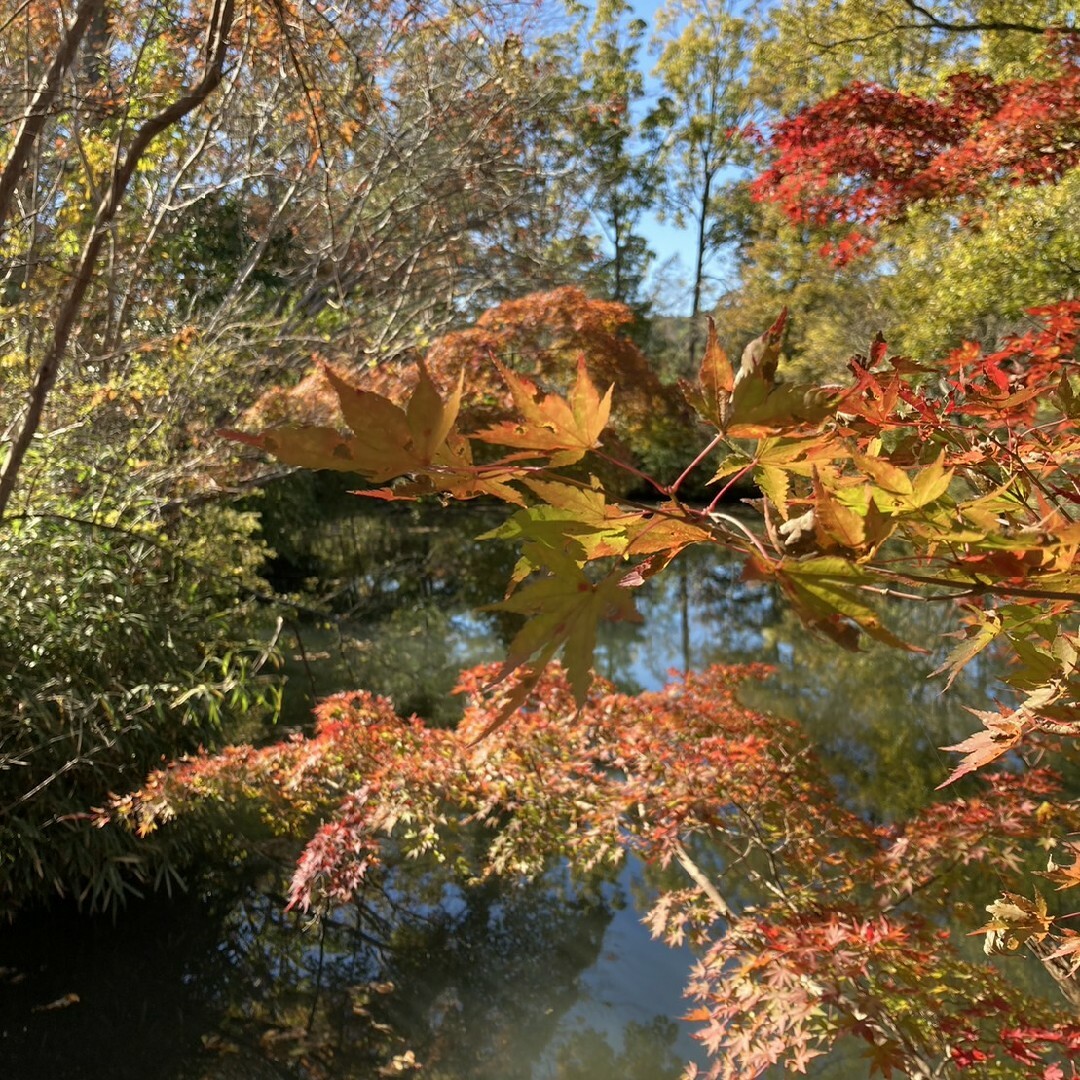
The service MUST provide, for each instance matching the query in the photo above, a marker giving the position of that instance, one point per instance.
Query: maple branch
(215, 50)
(715, 515)
(729, 485)
(627, 467)
(1058, 505)
(933, 877)
(1062, 971)
(698, 877)
(973, 588)
(880, 590)
(717, 440)
(305, 86)
(1056, 727)
(862, 39)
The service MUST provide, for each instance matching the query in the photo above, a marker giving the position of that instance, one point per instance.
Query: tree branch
(37, 112)
(697, 876)
(215, 49)
(991, 26)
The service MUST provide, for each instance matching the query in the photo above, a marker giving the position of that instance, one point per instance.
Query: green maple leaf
(826, 593)
(986, 628)
(563, 611)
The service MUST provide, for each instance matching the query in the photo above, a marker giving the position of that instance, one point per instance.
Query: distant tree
(195, 198)
(623, 174)
(700, 123)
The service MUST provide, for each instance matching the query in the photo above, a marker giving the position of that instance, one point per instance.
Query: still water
(549, 980)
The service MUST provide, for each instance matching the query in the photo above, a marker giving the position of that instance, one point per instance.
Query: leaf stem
(714, 443)
(626, 467)
(715, 515)
(728, 486)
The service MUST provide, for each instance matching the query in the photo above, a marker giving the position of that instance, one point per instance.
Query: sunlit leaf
(711, 397)
(564, 428)
(563, 611)
(1014, 920)
(999, 735)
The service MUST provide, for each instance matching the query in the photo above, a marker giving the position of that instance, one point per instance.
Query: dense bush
(114, 653)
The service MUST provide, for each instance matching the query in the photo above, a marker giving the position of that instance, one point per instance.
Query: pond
(550, 980)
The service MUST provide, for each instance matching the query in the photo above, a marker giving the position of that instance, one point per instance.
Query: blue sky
(669, 242)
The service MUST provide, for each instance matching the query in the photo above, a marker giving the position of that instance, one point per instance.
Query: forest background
(206, 207)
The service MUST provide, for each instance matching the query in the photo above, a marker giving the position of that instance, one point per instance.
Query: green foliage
(700, 123)
(115, 651)
(1022, 251)
(624, 175)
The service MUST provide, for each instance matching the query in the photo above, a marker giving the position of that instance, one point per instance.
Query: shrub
(115, 653)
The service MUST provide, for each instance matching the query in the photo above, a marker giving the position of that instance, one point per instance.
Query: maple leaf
(574, 522)
(1065, 877)
(306, 446)
(752, 404)
(998, 737)
(387, 441)
(760, 407)
(778, 458)
(1070, 947)
(761, 357)
(987, 627)
(661, 533)
(453, 472)
(975, 133)
(711, 398)
(885, 1057)
(886, 475)
(561, 428)
(1014, 920)
(825, 593)
(835, 523)
(563, 610)
(930, 483)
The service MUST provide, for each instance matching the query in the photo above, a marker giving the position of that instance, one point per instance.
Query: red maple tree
(867, 154)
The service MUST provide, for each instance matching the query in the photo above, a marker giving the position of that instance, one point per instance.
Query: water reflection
(547, 981)
(485, 984)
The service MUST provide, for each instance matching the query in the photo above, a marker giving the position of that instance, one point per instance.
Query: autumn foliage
(813, 923)
(866, 155)
(541, 336)
(951, 485)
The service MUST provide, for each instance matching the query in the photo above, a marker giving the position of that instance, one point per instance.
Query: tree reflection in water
(473, 983)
